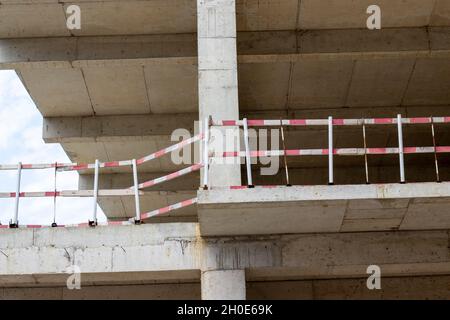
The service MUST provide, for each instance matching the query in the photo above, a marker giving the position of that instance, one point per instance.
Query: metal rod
(366, 166)
(436, 163)
(330, 150)
(137, 205)
(247, 154)
(54, 197)
(15, 222)
(400, 148)
(94, 213)
(205, 153)
(284, 153)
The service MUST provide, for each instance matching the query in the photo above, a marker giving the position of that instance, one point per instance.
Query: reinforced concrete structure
(137, 70)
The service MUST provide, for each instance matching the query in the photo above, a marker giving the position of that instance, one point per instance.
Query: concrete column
(223, 285)
(218, 82)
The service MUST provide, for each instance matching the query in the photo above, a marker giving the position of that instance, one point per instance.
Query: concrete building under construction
(361, 123)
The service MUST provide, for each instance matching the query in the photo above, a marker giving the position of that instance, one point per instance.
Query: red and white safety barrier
(78, 225)
(337, 151)
(35, 166)
(171, 176)
(336, 122)
(170, 149)
(86, 166)
(110, 164)
(70, 193)
(172, 207)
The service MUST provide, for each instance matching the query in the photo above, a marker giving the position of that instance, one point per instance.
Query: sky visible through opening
(21, 140)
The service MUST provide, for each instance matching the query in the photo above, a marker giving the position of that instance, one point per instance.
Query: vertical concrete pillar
(223, 285)
(217, 81)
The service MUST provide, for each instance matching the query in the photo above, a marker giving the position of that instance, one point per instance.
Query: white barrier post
(15, 222)
(54, 224)
(366, 164)
(247, 155)
(205, 153)
(400, 148)
(94, 213)
(137, 218)
(330, 151)
(436, 163)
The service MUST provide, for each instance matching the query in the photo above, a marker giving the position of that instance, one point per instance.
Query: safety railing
(134, 190)
(206, 156)
(331, 151)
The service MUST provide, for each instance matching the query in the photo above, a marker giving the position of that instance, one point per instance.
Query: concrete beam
(115, 128)
(252, 47)
(419, 287)
(175, 252)
(223, 285)
(120, 17)
(343, 208)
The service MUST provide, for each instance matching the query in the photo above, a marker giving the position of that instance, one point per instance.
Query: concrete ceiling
(46, 18)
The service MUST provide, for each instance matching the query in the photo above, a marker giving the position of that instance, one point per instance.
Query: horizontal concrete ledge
(174, 252)
(115, 128)
(310, 209)
(253, 47)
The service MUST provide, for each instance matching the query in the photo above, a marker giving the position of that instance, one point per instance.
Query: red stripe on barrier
(255, 122)
(442, 149)
(187, 202)
(419, 120)
(297, 122)
(376, 150)
(160, 153)
(114, 223)
(383, 120)
(111, 164)
(52, 194)
(292, 152)
(338, 122)
(80, 167)
(229, 122)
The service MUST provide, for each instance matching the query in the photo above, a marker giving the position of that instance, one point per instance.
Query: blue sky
(21, 140)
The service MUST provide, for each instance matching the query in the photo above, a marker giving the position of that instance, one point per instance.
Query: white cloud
(21, 140)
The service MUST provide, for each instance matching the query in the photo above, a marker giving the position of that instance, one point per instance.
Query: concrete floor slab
(379, 84)
(69, 95)
(320, 83)
(117, 90)
(310, 209)
(441, 13)
(263, 86)
(429, 82)
(329, 14)
(172, 88)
